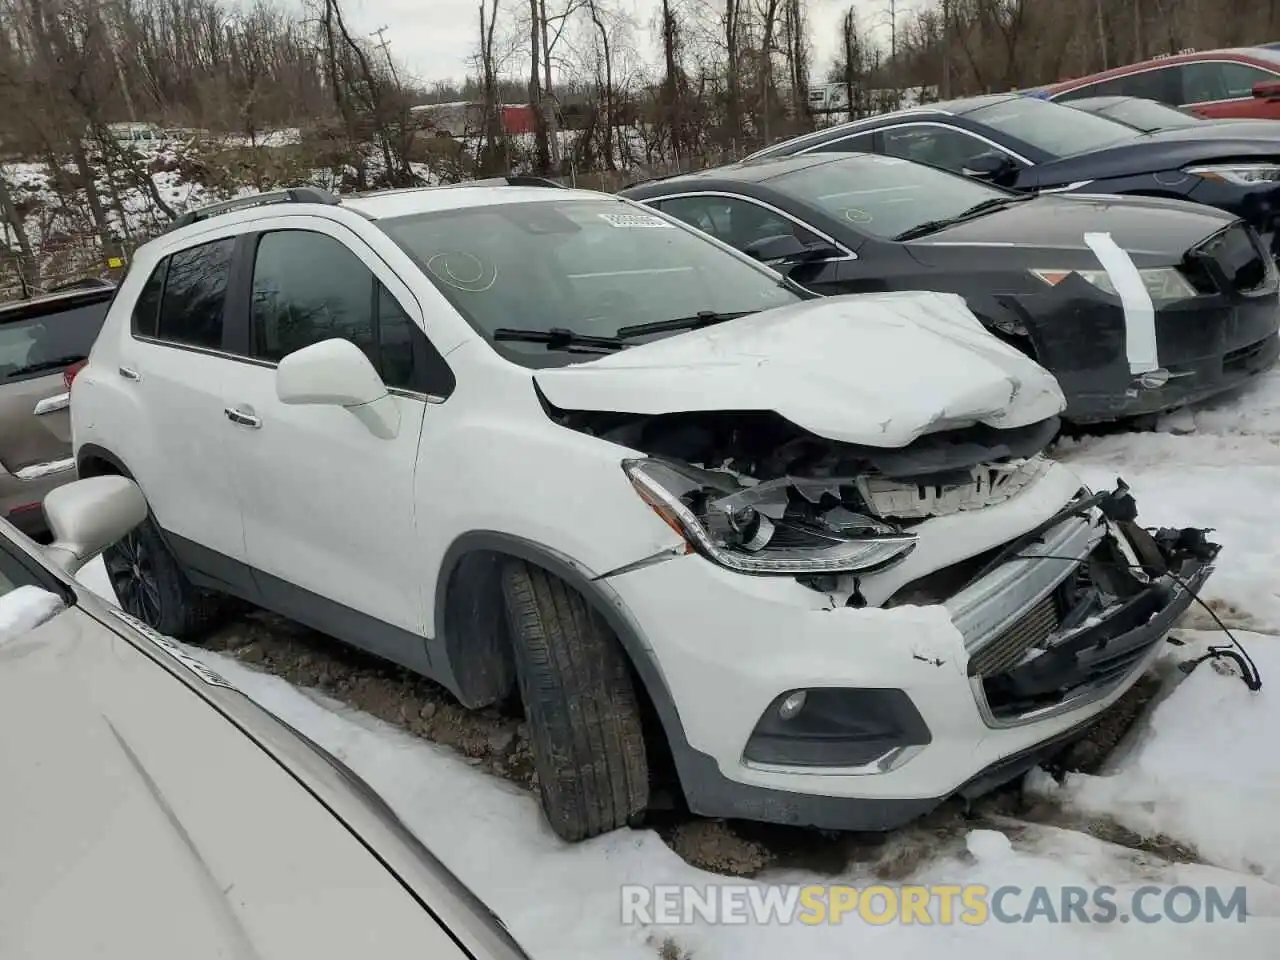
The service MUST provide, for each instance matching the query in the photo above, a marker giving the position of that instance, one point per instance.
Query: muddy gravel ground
(497, 742)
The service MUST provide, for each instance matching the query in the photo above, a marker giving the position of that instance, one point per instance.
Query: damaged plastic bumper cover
(879, 744)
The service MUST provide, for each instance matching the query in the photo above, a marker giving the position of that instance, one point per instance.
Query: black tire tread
(584, 719)
(186, 613)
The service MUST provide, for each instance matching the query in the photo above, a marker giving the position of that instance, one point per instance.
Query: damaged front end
(1060, 617)
(1069, 613)
(759, 495)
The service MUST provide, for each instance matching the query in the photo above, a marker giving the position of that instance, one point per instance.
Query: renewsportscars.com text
(935, 904)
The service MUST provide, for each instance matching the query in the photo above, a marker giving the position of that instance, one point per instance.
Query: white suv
(802, 558)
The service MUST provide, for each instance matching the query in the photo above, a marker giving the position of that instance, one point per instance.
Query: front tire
(584, 720)
(150, 586)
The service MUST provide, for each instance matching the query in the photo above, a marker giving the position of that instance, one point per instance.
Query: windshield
(1147, 115)
(589, 266)
(1051, 127)
(885, 196)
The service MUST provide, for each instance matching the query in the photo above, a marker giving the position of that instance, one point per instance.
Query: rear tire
(150, 586)
(584, 720)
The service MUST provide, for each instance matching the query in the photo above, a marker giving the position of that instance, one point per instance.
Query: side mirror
(87, 516)
(337, 373)
(992, 166)
(1267, 90)
(784, 246)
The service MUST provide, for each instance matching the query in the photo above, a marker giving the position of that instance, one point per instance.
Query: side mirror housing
(1268, 90)
(87, 516)
(992, 166)
(337, 373)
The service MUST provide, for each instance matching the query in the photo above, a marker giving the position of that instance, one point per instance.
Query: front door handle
(242, 418)
(129, 374)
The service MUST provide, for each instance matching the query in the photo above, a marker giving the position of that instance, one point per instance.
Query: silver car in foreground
(148, 809)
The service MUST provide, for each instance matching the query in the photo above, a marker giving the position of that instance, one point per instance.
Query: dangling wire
(1249, 672)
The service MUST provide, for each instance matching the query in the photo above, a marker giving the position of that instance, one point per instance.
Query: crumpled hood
(874, 369)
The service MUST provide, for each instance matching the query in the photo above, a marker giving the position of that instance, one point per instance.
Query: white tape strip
(1139, 314)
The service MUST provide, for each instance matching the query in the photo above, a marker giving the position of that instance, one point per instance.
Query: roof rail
(525, 180)
(292, 195)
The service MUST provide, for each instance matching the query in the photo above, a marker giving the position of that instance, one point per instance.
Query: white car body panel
(875, 369)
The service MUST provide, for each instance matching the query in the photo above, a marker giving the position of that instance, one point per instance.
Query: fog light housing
(792, 705)
(838, 727)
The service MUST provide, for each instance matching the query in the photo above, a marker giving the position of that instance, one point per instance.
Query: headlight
(1240, 174)
(785, 526)
(1163, 283)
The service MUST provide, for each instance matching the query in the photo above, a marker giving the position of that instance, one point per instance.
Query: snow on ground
(1201, 770)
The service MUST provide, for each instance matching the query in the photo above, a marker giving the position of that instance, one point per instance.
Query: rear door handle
(242, 418)
(59, 401)
(129, 374)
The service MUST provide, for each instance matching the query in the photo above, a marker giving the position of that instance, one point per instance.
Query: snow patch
(24, 608)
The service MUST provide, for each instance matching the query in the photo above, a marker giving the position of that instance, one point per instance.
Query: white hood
(874, 369)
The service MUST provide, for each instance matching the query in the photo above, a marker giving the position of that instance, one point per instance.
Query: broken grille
(1009, 647)
(987, 484)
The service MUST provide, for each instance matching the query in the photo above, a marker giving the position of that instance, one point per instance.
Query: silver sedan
(148, 809)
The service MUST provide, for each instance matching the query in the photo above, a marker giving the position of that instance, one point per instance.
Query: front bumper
(1207, 345)
(992, 687)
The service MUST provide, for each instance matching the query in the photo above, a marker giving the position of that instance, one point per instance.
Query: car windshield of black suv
(887, 196)
(1056, 129)
(582, 273)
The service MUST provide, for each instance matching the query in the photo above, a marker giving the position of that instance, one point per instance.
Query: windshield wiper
(558, 338)
(977, 210)
(46, 365)
(703, 318)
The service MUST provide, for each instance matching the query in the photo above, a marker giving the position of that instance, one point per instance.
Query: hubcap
(133, 578)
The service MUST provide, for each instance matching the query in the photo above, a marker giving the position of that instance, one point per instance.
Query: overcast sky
(435, 39)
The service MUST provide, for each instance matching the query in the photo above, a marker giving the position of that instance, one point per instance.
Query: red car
(1235, 83)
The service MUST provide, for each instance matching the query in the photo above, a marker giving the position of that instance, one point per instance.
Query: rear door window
(738, 223)
(36, 346)
(934, 145)
(195, 292)
(1218, 80)
(861, 143)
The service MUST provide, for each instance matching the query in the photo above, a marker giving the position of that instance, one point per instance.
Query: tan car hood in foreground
(137, 821)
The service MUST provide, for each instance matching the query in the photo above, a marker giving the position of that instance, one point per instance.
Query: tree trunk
(27, 260)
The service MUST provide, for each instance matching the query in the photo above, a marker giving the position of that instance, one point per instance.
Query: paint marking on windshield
(628, 220)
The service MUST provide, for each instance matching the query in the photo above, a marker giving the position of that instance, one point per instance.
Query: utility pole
(946, 50)
(385, 46)
(893, 51)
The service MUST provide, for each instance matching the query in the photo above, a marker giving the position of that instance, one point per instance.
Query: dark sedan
(1137, 305)
(1030, 144)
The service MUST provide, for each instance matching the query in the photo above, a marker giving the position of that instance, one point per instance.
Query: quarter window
(195, 291)
(146, 311)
